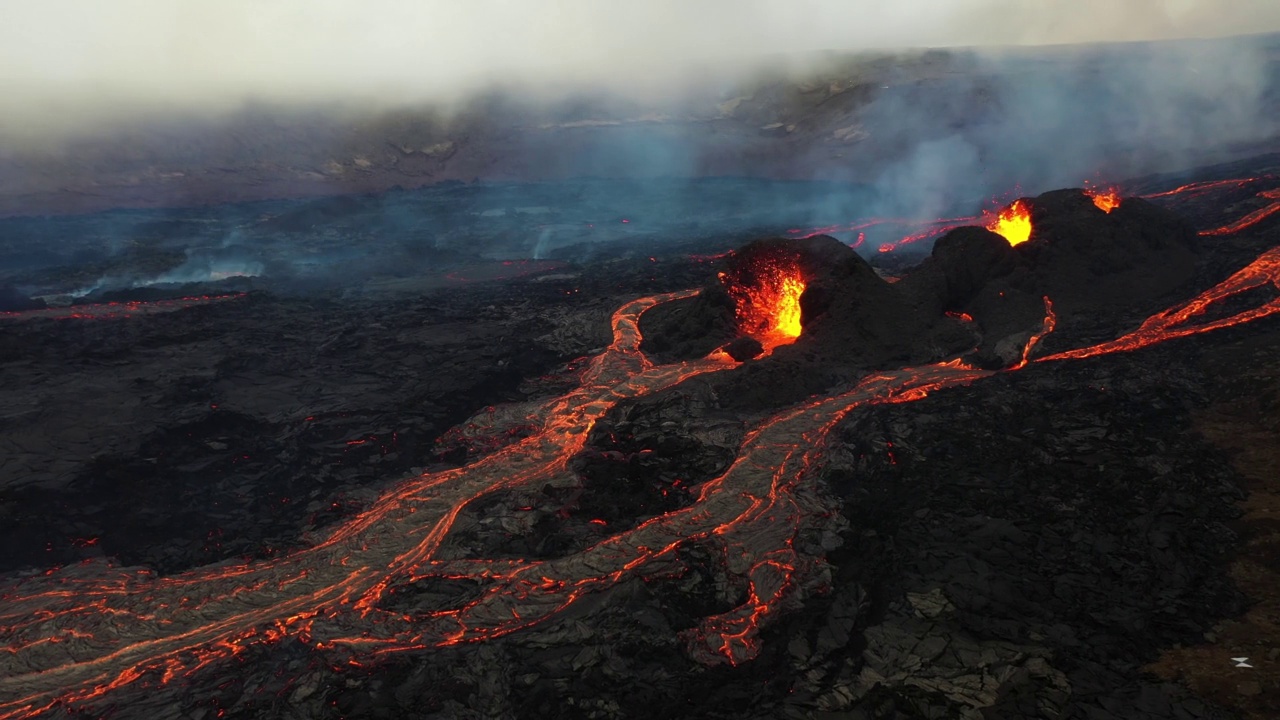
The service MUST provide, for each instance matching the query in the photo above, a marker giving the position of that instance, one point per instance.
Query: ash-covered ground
(1063, 541)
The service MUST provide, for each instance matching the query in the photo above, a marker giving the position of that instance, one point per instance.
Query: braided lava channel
(75, 637)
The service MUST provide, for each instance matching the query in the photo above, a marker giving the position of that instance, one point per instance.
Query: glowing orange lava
(1252, 218)
(1013, 223)
(1180, 322)
(117, 310)
(1050, 322)
(1196, 188)
(767, 301)
(87, 638)
(935, 227)
(787, 308)
(1106, 200)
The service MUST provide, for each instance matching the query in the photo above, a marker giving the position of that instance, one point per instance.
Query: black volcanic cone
(1090, 260)
(852, 320)
(1095, 267)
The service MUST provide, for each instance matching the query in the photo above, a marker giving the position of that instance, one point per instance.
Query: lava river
(88, 636)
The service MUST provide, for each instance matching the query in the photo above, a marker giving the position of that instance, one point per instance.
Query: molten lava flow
(1178, 322)
(1014, 217)
(1050, 322)
(117, 310)
(766, 297)
(941, 227)
(1106, 200)
(1252, 218)
(936, 227)
(1013, 223)
(787, 313)
(76, 634)
(89, 637)
(1203, 187)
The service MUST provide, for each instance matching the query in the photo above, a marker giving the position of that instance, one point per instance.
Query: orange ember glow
(1013, 223)
(1106, 200)
(767, 302)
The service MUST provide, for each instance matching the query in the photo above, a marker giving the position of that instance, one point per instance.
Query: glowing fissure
(76, 634)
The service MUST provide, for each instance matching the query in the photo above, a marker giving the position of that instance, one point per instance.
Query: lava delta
(779, 482)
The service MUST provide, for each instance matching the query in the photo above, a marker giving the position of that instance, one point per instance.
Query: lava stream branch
(1252, 218)
(1177, 322)
(131, 624)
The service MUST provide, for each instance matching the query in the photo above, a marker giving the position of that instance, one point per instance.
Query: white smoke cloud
(57, 56)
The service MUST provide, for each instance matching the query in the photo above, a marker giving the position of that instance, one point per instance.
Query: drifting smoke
(327, 95)
(59, 55)
(1027, 121)
(195, 270)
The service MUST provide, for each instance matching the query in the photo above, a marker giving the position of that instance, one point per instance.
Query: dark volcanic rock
(852, 320)
(744, 349)
(1022, 546)
(866, 322)
(235, 428)
(691, 328)
(832, 272)
(1089, 261)
(1000, 562)
(11, 300)
(1094, 267)
(962, 263)
(1029, 562)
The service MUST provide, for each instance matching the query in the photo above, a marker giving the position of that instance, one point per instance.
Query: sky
(55, 53)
